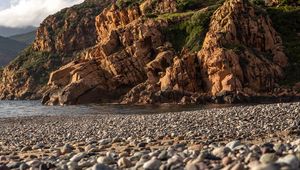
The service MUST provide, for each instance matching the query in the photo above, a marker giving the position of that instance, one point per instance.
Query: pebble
(124, 163)
(67, 148)
(152, 164)
(101, 167)
(105, 160)
(291, 160)
(268, 158)
(231, 145)
(177, 140)
(78, 157)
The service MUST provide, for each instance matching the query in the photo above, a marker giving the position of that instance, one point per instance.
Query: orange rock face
(57, 41)
(241, 50)
(124, 56)
(135, 64)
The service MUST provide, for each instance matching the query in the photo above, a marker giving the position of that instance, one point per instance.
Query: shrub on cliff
(286, 20)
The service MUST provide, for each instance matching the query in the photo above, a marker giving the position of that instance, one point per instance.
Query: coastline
(43, 138)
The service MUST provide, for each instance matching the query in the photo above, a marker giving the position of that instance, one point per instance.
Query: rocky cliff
(147, 52)
(57, 41)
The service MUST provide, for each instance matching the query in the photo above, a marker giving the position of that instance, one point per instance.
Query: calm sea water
(35, 108)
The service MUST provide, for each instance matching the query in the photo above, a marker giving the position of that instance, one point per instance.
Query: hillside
(9, 49)
(9, 31)
(166, 51)
(26, 38)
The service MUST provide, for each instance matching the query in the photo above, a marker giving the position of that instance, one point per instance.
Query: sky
(23, 13)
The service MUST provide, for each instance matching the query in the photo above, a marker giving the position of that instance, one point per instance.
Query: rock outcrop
(126, 44)
(133, 63)
(241, 50)
(58, 39)
(133, 54)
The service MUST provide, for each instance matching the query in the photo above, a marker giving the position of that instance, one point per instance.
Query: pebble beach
(258, 137)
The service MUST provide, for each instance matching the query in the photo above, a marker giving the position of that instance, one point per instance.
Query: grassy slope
(27, 38)
(9, 49)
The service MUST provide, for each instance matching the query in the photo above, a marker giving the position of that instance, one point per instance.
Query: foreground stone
(259, 137)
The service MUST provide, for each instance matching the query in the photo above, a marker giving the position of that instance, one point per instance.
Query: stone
(221, 152)
(152, 164)
(163, 155)
(26, 148)
(3, 167)
(38, 146)
(67, 148)
(268, 158)
(105, 141)
(34, 163)
(13, 165)
(124, 163)
(226, 160)
(231, 145)
(142, 144)
(291, 160)
(72, 165)
(101, 167)
(266, 167)
(105, 160)
(78, 157)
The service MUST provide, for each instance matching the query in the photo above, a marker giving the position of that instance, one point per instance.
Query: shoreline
(43, 139)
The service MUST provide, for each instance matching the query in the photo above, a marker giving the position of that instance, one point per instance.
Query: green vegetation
(127, 3)
(189, 33)
(37, 64)
(26, 38)
(258, 2)
(289, 2)
(286, 20)
(184, 5)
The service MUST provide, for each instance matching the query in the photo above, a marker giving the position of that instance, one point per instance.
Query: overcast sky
(22, 13)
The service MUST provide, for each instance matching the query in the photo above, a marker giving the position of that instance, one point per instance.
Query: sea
(35, 108)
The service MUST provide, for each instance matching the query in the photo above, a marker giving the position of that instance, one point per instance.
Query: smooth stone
(124, 163)
(67, 148)
(105, 160)
(266, 167)
(38, 146)
(252, 157)
(78, 157)
(221, 152)
(3, 167)
(136, 156)
(231, 145)
(279, 148)
(105, 141)
(163, 155)
(291, 160)
(84, 164)
(195, 166)
(101, 167)
(44, 167)
(174, 160)
(13, 165)
(89, 148)
(226, 160)
(34, 163)
(26, 148)
(72, 165)
(142, 144)
(24, 166)
(152, 164)
(268, 158)
(238, 166)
